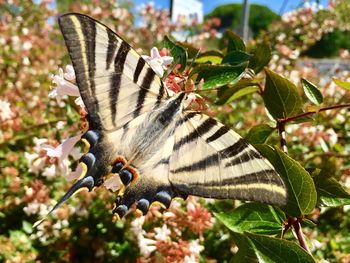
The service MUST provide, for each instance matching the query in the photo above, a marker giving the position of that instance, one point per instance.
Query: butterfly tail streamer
(86, 182)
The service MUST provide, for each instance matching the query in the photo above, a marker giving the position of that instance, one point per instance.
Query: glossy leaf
(255, 218)
(342, 84)
(218, 75)
(236, 58)
(329, 191)
(281, 96)
(259, 134)
(312, 92)
(232, 92)
(178, 52)
(302, 194)
(261, 57)
(212, 57)
(233, 42)
(192, 51)
(265, 249)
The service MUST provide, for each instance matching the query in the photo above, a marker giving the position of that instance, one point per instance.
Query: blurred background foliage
(31, 53)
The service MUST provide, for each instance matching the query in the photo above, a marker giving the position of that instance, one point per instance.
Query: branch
(292, 221)
(293, 118)
(300, 236)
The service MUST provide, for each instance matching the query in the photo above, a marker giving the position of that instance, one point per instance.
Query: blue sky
(209, 5)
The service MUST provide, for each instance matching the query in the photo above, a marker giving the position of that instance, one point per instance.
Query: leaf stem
(293, 118)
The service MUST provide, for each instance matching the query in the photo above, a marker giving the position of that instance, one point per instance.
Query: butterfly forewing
(116, 84)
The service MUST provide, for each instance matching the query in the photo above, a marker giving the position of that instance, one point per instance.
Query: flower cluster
(42, 118)
(167, 241)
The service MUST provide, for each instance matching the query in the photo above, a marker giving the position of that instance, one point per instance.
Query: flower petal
(167, 60)
(74, 175)
(155, 53)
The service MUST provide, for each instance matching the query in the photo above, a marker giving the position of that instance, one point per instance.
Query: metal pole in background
(245, 21)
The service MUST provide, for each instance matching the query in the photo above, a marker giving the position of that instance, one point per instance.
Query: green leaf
(218, 75)
(192, 51)
(232, 92)
(281, 96)
(233, 42)
(259, 134)
(301, 190)
(264, 249)
(255, 218)
(236, 58)
(329, 191)
(178, 52)
(212, 57)
(342, 84)
(312, 92)
(27, 227)
(261, 57)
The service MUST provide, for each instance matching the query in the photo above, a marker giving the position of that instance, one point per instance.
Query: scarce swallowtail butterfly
(136, 131)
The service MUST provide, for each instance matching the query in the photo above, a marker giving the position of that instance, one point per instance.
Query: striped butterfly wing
(115, 83)
(159, 150)
(211, 160)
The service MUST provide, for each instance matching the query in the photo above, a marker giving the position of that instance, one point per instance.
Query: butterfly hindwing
(116, 84)
(211, 160)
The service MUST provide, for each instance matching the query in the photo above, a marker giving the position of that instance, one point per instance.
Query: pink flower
(157, 62)
(63, 150)
(64, 85)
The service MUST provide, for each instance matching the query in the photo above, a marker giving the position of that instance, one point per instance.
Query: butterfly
(158, 148)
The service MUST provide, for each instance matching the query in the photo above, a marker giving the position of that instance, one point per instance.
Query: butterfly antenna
(86, 182)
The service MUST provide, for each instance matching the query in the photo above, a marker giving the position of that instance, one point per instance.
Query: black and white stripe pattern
(182, 151)
(211, 160)
(116, 84)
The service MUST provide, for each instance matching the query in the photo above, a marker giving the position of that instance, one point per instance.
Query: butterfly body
(159, 149)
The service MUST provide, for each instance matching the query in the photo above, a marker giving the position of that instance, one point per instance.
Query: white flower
(195, 247)
(27, 45)
(190, 259)
(74, 175)
(35, 163)
(64, 87)
(156, 62)
(60, 125)
(146, 245)
(2, 41)
(49, 172)
(162, 233)
(36, 208)
(25, 31)
(63, 150)
(5, 111)
(31, 208)
(70, 74)
(25, 61)
(79, 101)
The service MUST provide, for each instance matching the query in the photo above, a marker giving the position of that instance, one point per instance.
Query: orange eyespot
(134, 172)
(119, 159)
